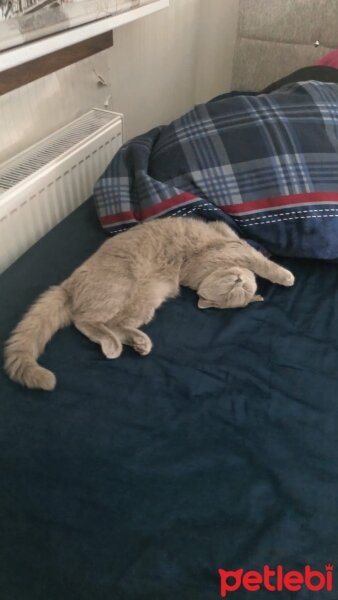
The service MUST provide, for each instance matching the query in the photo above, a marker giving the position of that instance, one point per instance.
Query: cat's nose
(239, 278)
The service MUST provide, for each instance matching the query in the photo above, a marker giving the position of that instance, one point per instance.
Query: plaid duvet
(267, 164)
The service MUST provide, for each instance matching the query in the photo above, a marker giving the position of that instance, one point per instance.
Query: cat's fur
(119, 288)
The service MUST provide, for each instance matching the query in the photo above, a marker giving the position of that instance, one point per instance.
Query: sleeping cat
(119, 288)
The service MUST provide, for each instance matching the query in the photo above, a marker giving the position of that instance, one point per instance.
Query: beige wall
(158, 68)
(276, 37)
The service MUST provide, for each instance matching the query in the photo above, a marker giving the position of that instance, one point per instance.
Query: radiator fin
(46, 182)
(29, 161)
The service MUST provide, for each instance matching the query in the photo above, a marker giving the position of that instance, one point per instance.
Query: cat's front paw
(288, 278)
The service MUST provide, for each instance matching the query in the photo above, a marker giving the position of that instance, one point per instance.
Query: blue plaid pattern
(239, 158)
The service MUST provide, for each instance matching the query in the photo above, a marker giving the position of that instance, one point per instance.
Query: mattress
(139, 478)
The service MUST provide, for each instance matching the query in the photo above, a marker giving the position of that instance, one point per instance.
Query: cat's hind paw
(110, 348)
(257, 298)
(142, 344)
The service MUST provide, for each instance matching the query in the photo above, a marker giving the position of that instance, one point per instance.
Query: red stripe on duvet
(147, 212)
(280, 202)
(120, 218)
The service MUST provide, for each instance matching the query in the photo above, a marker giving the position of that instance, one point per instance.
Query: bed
(141, 477)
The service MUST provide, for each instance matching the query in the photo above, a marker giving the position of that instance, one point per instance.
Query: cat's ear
(204, 303)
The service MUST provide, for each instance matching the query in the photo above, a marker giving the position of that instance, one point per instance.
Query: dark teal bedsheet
(139, 478)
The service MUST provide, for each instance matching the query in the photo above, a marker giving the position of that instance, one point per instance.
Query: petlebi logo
(275, 580)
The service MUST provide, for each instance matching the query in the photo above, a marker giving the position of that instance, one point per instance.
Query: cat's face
(227, 288)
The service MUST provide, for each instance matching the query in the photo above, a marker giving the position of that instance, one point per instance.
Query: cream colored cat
(119, 288)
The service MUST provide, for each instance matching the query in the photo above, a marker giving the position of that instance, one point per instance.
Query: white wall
(158, 68)
(153, 66)
(216, 38)
(32, 111)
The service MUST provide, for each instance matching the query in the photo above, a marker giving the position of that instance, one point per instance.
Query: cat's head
(227, 288)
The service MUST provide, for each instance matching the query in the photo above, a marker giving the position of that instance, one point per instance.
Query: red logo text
(276, 580)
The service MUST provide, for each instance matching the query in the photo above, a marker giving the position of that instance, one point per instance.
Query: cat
(118, 289)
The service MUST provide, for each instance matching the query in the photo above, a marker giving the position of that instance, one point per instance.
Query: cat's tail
(28, 340)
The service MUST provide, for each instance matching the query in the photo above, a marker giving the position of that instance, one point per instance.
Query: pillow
(329, 60)
(265, 163)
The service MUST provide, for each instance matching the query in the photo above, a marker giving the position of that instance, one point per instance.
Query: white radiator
(42, 185)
